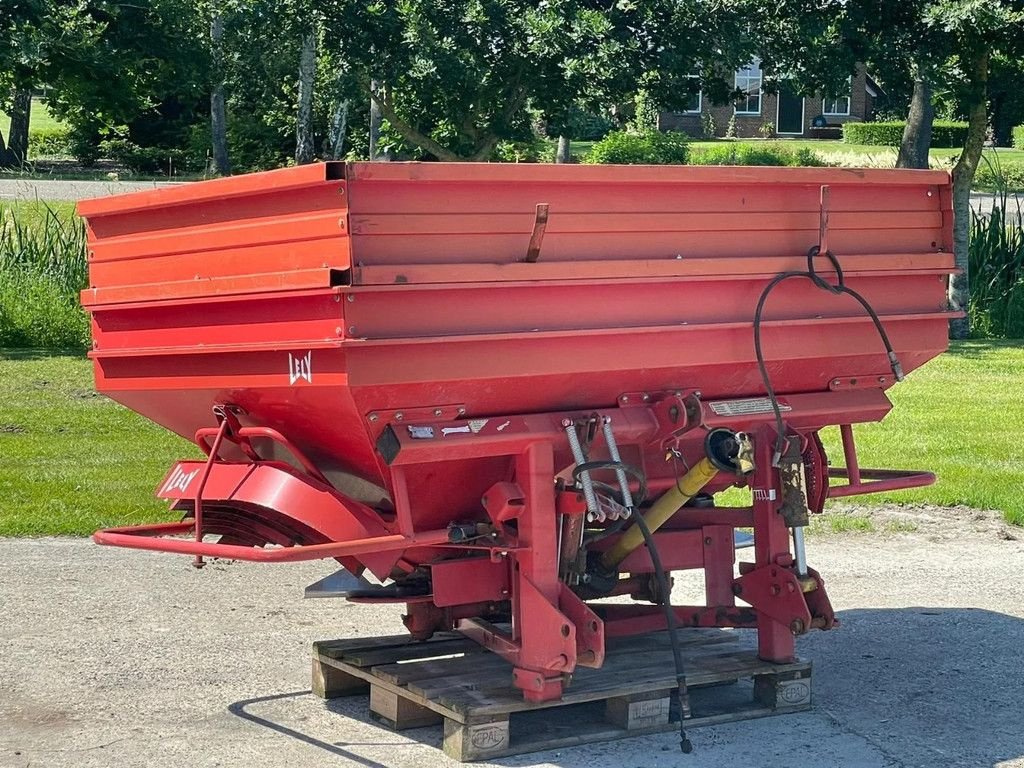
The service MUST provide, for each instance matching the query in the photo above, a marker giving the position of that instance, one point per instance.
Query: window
(748, 83)
(839, 105)
(694, 101)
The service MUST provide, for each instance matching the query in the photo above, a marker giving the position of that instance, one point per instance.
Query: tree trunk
(21, 113)
(917, 135)
(6, 157)
(375, 120)
(339, 128)
(963, 177)
(218, 102)
(563, 155)
(304, 149)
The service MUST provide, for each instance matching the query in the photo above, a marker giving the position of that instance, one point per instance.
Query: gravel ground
(119, 658)
(53, 189)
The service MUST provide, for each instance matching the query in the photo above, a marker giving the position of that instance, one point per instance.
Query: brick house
(789, 114)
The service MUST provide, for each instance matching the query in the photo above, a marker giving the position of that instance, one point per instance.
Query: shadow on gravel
(926, 686)
(921, 686)
(239, 709)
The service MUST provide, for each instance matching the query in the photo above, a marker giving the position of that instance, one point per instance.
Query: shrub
(535, 150)
(945, 133)
(708, 125)
(150, 161)
(650, 148)
(587, 126)
(49, 142)
(1018, 136)
(1007, 175)
(755, 154)
(42, 270)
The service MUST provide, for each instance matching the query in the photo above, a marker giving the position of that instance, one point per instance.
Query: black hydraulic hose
(838, 288)
(682, 695)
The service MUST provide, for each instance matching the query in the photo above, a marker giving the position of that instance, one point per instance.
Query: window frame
(760, 88)
(825, 100)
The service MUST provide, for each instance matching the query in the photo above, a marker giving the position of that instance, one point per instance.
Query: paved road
(121, 658)
(35, 189)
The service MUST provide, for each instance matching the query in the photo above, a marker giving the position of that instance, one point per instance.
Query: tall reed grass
(996, 266)
(43, 268)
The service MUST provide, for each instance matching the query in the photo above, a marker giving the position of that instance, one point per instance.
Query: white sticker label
(179, 480)
(748, 407)
(464, 429)
(300, 368)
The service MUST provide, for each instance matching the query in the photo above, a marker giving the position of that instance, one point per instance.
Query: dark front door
(791, 113)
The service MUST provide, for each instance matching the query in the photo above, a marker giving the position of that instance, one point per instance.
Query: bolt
(437, 411)
(352, 330)
(707, 541)
(373, 417)
(350, 297)
(338, 331)
(341, 190)
(790, 587)
(881, 379)
(625, 398)
(337, 298)
(399, 415)
(775, 589)
(646, 397)
(797, 627)
(461, 411)
(566, 423)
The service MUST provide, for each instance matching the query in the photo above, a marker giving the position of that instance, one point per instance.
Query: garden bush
(1018, 136)
(755, 154)
(1007, 174)
(49, 142)
(149, 161)
(945, 133)
(650, 148)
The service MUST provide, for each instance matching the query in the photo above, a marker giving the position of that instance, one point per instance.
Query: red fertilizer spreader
(500, 394)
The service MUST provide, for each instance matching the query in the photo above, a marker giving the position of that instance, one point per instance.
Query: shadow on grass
(7, 353)
(977, 349)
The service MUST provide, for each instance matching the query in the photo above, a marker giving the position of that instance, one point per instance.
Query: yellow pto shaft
(725, 452)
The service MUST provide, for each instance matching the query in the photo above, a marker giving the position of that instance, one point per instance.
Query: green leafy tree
(455, 78)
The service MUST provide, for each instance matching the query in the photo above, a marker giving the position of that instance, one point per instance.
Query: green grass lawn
(40, 118)
(72, 461)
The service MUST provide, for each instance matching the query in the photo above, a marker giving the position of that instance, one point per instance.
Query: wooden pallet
(453, 681)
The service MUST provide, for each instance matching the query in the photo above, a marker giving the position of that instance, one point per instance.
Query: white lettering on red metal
(762, 494)
(179, 480)
(455, 430)
(501, 427)
(300, 368)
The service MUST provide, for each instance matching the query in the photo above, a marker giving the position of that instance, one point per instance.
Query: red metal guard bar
(151, 537)
(881, 479)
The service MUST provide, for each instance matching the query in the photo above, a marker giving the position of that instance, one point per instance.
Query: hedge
(889, 134)
(755, 154)
(1005, 175)
(1018, 136)
(49, 142)
(649, 148)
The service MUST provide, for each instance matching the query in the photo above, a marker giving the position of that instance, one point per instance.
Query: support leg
(775, 641)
